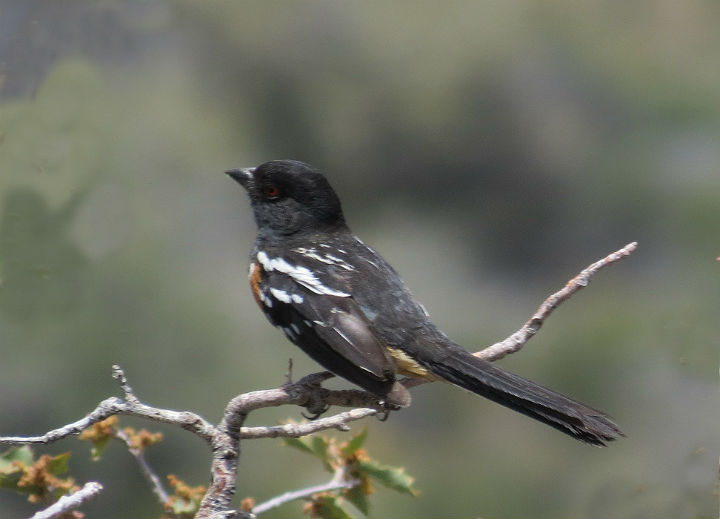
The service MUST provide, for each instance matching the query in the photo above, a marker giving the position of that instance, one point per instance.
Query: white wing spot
(314, 255)
(422, 307)
(363, 244)
(341, 334)
(302, 275)
(328, 259)
(284, 297)
(280, 295)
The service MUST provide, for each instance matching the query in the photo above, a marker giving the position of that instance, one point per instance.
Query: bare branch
(152, 478)
(224, 438)
(301, 494)
(70, 502)
(518, 339)
(105, 409)
(293, 430)
(113, 406)
(306, 392)
(119, 375)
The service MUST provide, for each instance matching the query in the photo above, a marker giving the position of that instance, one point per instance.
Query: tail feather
(569, 416)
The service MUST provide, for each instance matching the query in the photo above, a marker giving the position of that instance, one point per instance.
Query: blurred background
(490, 150)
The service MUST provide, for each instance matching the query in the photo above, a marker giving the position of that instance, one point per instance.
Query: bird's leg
(317, 413)
(316, 405)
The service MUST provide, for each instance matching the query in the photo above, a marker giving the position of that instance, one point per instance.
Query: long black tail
(481, 377)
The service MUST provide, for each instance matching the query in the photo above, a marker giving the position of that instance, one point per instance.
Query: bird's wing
(315, 309)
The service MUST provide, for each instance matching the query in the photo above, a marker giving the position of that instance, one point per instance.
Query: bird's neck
(301, 237)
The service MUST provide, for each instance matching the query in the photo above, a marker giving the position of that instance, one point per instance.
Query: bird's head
(290, 197)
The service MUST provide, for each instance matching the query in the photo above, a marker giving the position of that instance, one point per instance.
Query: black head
(289, 197)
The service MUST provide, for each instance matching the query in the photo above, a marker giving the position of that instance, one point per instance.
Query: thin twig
(105, 409)
(148, 472)
(518, 339)
(70, 501)
(293, 430)
(113, 406)
(302, 494)
(119, 375)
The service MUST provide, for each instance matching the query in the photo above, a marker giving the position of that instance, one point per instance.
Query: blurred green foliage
(348, 462)
(504, 144)
(37, 480)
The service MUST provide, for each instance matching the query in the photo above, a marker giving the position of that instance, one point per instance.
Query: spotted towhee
(346, 307)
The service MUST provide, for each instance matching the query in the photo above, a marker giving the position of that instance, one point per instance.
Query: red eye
(271, 191)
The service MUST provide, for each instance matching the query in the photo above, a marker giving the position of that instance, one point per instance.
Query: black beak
(241, 175)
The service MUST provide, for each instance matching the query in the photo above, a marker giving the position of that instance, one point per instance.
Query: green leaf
(316, 445)
(9, 481)
(98, 447)
(23, 454)
(10, 474)
(301, 444)
(391, 477)
(59, 464)
(320, 448)
(355, 442)
(357, 497)
(330, 507)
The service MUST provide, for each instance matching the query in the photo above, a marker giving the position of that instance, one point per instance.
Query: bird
(349, 310)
